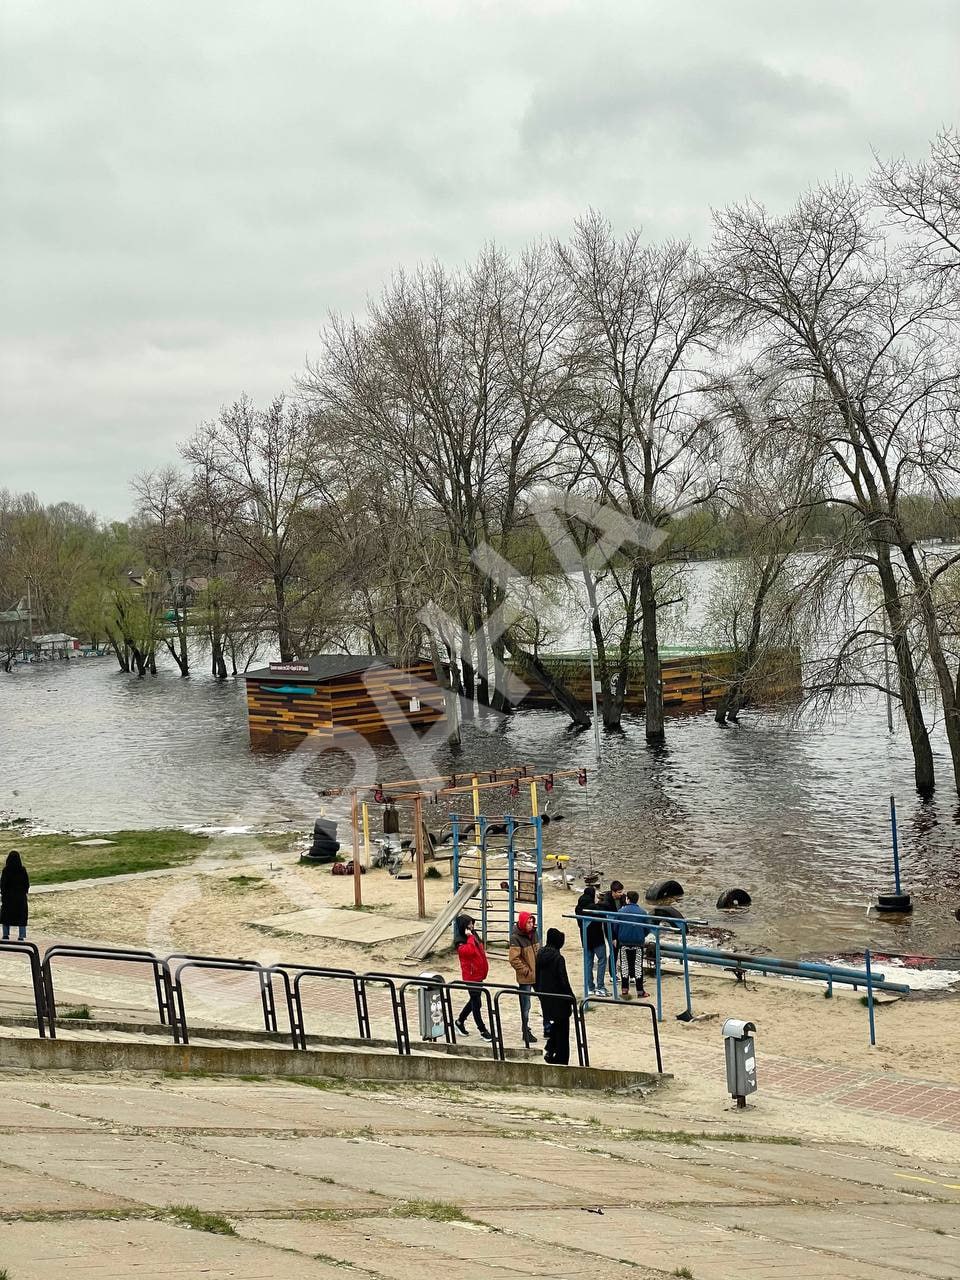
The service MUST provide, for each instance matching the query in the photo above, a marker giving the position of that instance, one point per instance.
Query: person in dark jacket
(596, 949)
(474, 967)
(14, 887)
(631, 935)
(556, 997)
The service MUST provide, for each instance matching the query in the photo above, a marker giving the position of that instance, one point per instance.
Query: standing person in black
(611, 902)
(14, 887)
(556, 998)
(596, 946)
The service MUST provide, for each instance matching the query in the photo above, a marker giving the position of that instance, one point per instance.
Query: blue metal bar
(686, 970)
(511, 873)
(873, 1027)
(455, 828)
(659, 974)
(483, 879)
(896, 847)
(538, 828)
(784, 968)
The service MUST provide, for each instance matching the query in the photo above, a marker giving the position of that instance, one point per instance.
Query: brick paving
(895, 1097)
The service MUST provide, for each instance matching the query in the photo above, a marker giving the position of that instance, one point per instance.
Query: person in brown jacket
(523, 957)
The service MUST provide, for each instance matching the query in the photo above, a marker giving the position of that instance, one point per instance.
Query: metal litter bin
(741, 1058)
(430, 1007)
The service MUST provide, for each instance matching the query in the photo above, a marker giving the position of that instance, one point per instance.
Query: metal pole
(455, 825)
(886, 683)
(354, 824)
(656, 960)
(873, 1028)
(593, 696)
(896, 848)
(365, 814)
(687, 1015)
(418, 846)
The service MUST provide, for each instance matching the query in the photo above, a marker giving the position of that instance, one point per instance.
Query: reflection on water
(796, 816)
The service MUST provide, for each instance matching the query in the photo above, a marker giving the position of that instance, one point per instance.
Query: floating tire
(669, 913)
(733, 898)
(895, 902)
(664, 889)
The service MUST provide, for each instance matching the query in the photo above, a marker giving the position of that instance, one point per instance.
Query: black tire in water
(670, 913)
(894, 902)
(664, 889)
(733, 898)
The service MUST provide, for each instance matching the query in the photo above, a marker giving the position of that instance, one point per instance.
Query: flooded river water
(798, 816)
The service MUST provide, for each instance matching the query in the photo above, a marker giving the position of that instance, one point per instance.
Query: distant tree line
(793, 389)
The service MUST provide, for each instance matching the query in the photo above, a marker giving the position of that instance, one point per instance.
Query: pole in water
(593, 695)
(898, 901)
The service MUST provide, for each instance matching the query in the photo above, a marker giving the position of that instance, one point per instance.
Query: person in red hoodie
(474, 967)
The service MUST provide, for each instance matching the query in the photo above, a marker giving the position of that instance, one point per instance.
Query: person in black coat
(596, 948)
(14, 887)
(552, 985)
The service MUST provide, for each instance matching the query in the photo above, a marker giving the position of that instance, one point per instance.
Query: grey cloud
(186, 188)
(724, 106)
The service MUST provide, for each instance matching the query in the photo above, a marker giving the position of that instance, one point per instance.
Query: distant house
(334, 695)
(55, 645)
(14, 627)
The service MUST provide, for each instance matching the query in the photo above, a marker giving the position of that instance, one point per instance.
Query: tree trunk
(450, 700)
(909, 693)
(284, 638)
(650, 644)
(466, 663)
(941, 667)
(538, 672)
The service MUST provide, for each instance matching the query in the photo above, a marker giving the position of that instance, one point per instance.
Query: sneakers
(603, 993)
(529, 1038)
(624, 991)
(485, 1034)
(461, 1028)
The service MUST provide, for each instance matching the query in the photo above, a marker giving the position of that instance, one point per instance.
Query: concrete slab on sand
(403, 1181)
(339, 924)
(158, 1172)
(145, 1250)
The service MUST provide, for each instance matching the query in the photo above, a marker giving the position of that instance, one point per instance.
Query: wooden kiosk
(332, 695)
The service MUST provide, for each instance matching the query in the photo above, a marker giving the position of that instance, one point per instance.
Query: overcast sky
(188, 186)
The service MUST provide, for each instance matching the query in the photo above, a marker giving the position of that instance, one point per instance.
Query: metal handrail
(579, 1025)
(301, 971)
(36, 973)
(496, 1032)
(129, 955)
(623, 1004)
(222, 965)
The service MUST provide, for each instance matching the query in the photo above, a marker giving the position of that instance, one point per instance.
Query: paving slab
(18, 1111)
(668, 1242)
(597, 1176)
(144, 1250)
(389, 1170)
(157, 1172)
(143, 1108)
(364, 927)
(303, 1107)
(909, 1249)
(24, 1191)
(409, 1248)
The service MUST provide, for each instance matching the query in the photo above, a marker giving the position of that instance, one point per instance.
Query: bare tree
(263, 460)
(866, 349)
(634, 413)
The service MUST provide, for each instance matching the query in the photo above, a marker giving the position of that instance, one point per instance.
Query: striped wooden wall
(370, 703)
(692, 682)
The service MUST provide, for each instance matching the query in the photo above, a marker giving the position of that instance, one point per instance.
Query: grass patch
(434, 1210)
(4, 1274)
(245, 882)
(683, 1273)
(80, 1012)
(195, 1218)
(433, 873)
(53, 859)
(688, 1138)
